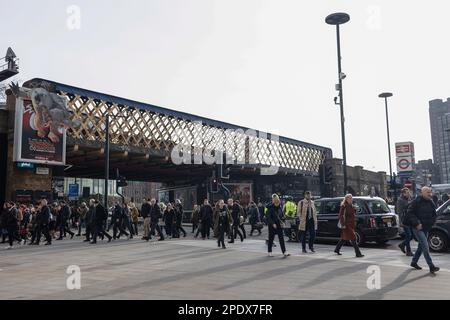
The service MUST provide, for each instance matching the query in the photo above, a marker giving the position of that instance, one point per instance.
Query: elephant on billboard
(50, 110)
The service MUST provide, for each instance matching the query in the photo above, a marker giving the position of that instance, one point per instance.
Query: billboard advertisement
(34, 144)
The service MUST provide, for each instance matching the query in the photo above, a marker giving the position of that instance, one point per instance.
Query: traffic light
(121, 182)
(328, 174)
(214, 185)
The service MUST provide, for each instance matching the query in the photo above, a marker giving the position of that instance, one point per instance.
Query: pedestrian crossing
(375, 256)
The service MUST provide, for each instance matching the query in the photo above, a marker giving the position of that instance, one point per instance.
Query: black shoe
(93, 242)
(48, 244)
(359, 255)
(86, 240)
(218, 245)
(312, 250)
(434, 269)
(184, 236)
(71, 236)
(304, 251)
(78, 235)
(242, 239)
(59, 239)
(109, 239)
(338, 253)
(409, 254)
(230, 241)
(416, 266)
(223, 247)
(161, 239)
(402, 247)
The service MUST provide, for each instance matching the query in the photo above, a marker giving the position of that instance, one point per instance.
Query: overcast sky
(269, 65)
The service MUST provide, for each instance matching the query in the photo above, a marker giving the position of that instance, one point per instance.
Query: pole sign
(404, 152)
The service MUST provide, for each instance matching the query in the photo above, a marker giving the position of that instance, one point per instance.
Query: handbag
(339, 225)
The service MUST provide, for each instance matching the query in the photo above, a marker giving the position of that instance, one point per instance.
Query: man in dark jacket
(155, 215)
(179, 218)
(235, 210)
(274, 211)
(99, 223)
(421, 216)
(65, 214)
(400, 209)
(90, 220)
(206, 215)
(9, 222)
(42, 222)
(117, 221)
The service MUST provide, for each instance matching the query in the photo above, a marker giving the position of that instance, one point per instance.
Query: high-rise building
(440, 136)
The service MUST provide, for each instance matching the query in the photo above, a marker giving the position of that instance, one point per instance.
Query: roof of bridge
(169, 112)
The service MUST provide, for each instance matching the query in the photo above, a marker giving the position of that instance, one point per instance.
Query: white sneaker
(270, 254)
(22, 242)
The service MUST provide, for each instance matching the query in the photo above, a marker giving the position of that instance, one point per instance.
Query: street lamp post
(385, 96)
(106, 161)
(337, 19)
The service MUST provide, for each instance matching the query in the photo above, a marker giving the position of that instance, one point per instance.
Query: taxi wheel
(438, 241)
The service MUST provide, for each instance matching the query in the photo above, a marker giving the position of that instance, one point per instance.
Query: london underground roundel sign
(404, 164)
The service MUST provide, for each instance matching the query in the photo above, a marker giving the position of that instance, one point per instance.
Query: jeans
(408, 237)
(221, 238)
(422, 238)
(234, 232)
(155, 226)
(309, 228)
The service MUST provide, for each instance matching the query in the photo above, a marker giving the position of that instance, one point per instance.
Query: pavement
(195, 269)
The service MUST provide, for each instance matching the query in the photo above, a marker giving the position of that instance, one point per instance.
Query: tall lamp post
(106, 161)
(385, 96)
(337, 19)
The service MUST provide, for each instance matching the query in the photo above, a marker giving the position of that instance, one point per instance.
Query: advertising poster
(33, 145)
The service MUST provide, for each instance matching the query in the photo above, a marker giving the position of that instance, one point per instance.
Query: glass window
(378, 206)
(359, 206)
(332, 207)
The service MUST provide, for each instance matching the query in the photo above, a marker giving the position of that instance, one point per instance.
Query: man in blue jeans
(421, 216)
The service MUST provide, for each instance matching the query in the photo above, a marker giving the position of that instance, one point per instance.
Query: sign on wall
(33, 144)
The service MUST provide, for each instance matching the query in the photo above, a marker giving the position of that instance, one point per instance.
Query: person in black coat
(98, 226)
(206, 217)
(117, 221)
(179, 218)
(9, 222)
(254, 219)
(169, 220)
(274, 223)
(235, 210)
(64, 214)
(155, 215)
(42, 222)
(224, 220)
(421, 216)
(90, 221)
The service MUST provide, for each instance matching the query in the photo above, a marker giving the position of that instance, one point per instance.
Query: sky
(264, 64)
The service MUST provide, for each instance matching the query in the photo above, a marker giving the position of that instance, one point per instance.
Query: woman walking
(224, 220)
(134, 217)
(347, 223)
(307, 215)
(169, 218)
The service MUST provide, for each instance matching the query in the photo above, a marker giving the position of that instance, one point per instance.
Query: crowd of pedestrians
(29, 224)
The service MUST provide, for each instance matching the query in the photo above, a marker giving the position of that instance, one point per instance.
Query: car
(439, 235)
(374, 220)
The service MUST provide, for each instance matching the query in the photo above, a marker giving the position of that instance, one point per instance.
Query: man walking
(206, 215)
(145, 213)
(421, 216)
(42, 221)
(99, 223)
(155, 215)
(307, 215)
(400, 209)
(235, 210)
(65, 215)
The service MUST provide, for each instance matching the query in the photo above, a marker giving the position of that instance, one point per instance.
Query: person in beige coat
(306, 212)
